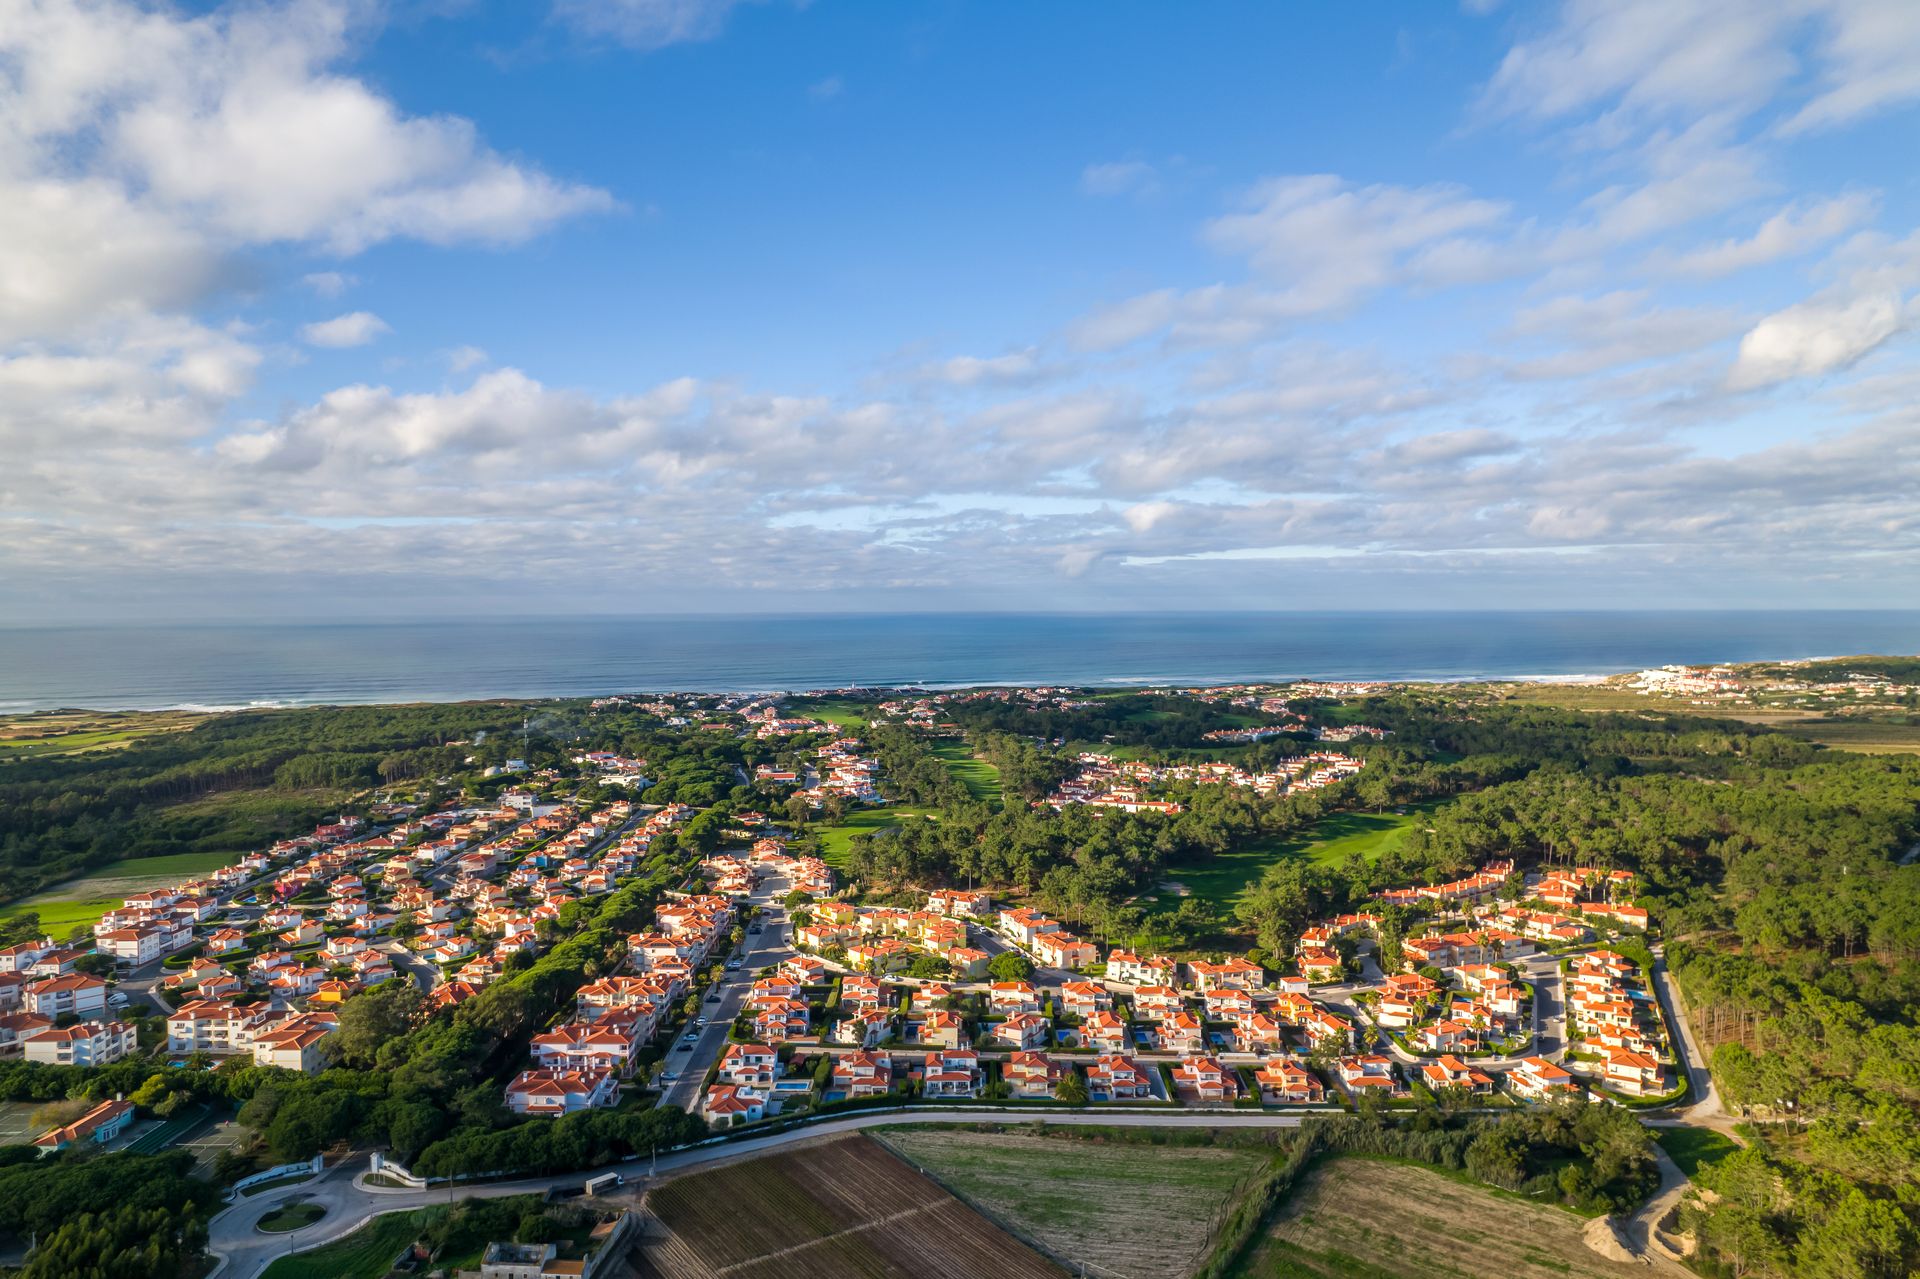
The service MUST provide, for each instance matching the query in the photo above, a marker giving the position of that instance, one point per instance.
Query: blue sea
(207, 666)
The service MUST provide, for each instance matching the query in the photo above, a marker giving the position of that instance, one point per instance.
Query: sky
(425, 308)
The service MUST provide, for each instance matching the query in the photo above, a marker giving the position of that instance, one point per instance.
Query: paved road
(769, 946)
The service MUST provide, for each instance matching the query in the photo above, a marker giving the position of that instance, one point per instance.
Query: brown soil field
(1125, 1208)
(843, 1209)
(1369, 1219)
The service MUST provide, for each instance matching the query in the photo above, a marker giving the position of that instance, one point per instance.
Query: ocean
(208, 666)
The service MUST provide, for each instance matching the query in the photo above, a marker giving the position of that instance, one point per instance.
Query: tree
(1009, 965)
(1072, 1089)
(371, 1020)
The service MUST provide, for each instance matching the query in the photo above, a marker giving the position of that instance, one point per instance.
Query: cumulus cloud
(1794, 230)
(355, 328)
(327, 284)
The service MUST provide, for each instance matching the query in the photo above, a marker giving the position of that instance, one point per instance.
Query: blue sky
(685, 305)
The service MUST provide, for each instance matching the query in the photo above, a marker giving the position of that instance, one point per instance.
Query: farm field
(847, 1207)
(981, 779)
(836, 839)
(364, 1254)
(1358, 1218)
(79, 902)
(852, 716)
(1222, 880)
(1079, 1200)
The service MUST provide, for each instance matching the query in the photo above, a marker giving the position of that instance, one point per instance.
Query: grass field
(981, 779)
(290, 1217)
(840, 1208)
(80, 902)
(1222, 880)
(364, 1254)
(1369, 1219)
(852, 716)
(1082, 1201)
(1694, 1148)
(1875, 737)
(836, 839)
(78, 732)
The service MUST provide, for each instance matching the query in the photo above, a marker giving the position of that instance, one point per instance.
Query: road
(768, 946)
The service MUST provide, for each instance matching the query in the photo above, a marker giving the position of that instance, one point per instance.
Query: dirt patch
(848, 1207)
(1369, 1219)
(1133, 1209)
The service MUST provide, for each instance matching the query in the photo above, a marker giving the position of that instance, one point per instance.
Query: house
(1022, 1030)
(1256, 1033)
(1288, 1083)
(1117, 1078)
(1450, 1072)
(1023, 926)
(1105, 1032)
(73, 994)
(1013, 997)
(1125, 966)
(863, 1074)
(212, 1026)
(804, 970)
(1322, 965)
(863, 1029)
(1238, 973)
(1368, 1072)
(955, 901)
(951, 1072)
(100, 1125)
(604, 1044)
(1445, 1035)
(1183, 1033)
(728, 1104)
(968, 963)
(87, 1043)
(561, 1092)
(1206, 1080)
(1032, 1074)
(1063, 950)
(1156, 1003)
(1635, 1074)
(942, 1028)
(17, 1028)
(1540, 1079)
(1227, 1003)
(1084, 998)
(780, 1019)
(294, 1043)
(749, 1065)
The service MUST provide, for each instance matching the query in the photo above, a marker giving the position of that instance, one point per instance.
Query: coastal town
(802, 941)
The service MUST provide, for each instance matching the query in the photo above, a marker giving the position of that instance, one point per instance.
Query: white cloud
(1794, 230)
(826, 90)
(648, 24)
(463, 358)
(328, 284)
(356, 328)
(1120, 177)
(1814, 338)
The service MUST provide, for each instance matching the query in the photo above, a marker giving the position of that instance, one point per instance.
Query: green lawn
(364, 1254)
(81, 902)
(842, 714)
(290, 1217)
(836, 839)
(981, 779)
(1693, 1148)
(1221, 881)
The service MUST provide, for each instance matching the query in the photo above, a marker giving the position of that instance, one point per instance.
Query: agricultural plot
(1082, 1201)
(365, 1254)
(1370, 1219)
(845, 1209)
